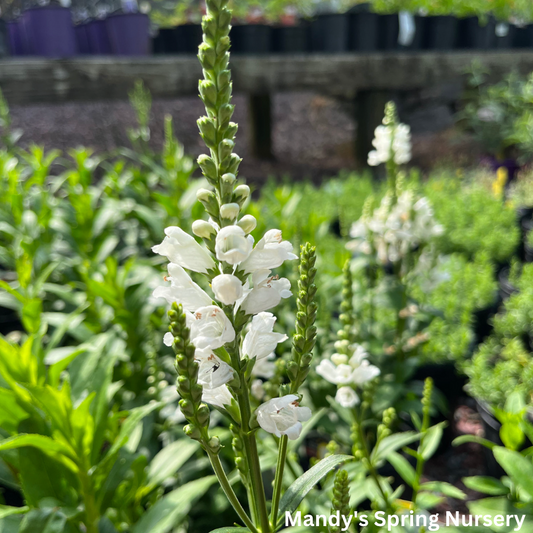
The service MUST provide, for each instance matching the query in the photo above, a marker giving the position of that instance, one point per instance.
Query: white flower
(212, 372)
(232, 245)
(168, 339)
(270, 252)
(210, 327)
(391, 142)
(266, 293)
(182, 290)
(227, 288)
(338, 375)
(364, 372)
(339, 358)
(182, 249)
(283, 416)
(265, 367)
(257, 389)
(346, 397)
(261, 341)
(373, 158)
(229, 211)
(219, 397)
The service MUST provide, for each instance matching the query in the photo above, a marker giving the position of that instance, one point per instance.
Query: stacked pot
(49, 31)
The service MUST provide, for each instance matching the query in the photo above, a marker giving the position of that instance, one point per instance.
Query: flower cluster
(211, 319)
(348, 371)
(392, 141)
(395, 228)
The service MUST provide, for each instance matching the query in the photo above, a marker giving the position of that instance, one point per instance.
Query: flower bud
(227, 288)
(202, 229)
(208, 167)
(248, 223)
(241, 194)
(229, 211)
(208, 92)
(208, 131)
(225, 148)
(208, 200)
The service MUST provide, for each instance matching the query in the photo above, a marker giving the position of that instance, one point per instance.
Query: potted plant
(290, 35)
(329, 32)
(129, 31)
(363, 35)
(498, 116)
(49, 31)
(253, 36)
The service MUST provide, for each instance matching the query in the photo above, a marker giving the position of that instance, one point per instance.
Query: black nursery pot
(251, 39)
(440, 33)
(166, 41)
(388, 32)
(491, 429)
(188, 38)
(523, 37)
(329, 33)
(4, 48)
(363, 32)
(482, 324)
(506, 288)
(290, 39)
(473, 35)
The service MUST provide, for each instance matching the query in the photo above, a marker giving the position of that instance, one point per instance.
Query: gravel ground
(312, 135)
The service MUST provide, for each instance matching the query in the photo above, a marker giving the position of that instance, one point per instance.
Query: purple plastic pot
(82, 39)
(98, 37)
(129, 34)
(16, 38)
(50, 31)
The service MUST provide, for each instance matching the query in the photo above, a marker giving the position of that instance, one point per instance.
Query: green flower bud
(208, 93)
(209, 169)
(208, 131)
(248, 223)
(241, 194)
(202, 229)
(229, 211)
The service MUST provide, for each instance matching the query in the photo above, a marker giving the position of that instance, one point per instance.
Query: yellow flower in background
(498, 186)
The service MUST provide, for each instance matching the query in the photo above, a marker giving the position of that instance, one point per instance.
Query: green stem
(91, 511)
(256, 478)
(371, 468)
(230, 494)
(278, 482)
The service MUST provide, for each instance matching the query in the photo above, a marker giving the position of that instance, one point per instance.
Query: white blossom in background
(283, 416)
(348, 372)
(391, 142)
(395, 229)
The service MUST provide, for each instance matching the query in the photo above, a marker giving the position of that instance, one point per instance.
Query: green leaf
(427, 500)
(298, 490)
(431, 440)
(444, 488)
(172, 509)
(135, 416)
(391, 444)
(486, 485)
(402, 466)
(54, 449)
(43, 521)
(31, 315)
(169, 460)
(463, 439)
(512, 435)
(517, 467)
(6, 510)
(231, 530)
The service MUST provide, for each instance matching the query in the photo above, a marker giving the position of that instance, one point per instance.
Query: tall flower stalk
(219, 336)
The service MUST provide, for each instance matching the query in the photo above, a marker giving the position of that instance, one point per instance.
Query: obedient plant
(220, 335)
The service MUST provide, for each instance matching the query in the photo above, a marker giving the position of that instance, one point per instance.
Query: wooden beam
(34, 80)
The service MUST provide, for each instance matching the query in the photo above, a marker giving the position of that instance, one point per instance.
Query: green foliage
(474, 220)
(503, 362)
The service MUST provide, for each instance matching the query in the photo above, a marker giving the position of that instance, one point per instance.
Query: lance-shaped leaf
(298, 490)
